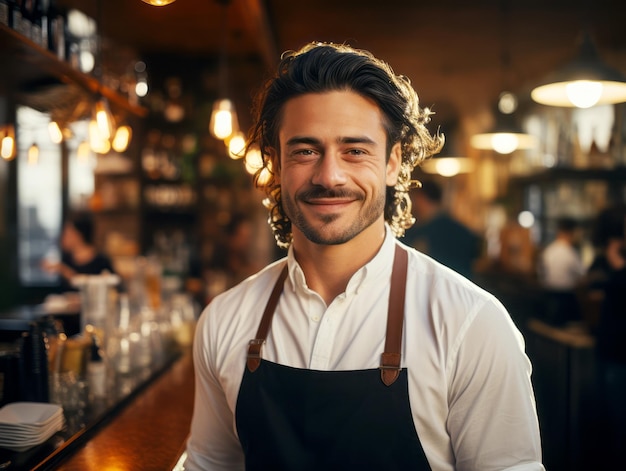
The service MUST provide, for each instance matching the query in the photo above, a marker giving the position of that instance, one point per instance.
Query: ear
(393, 165)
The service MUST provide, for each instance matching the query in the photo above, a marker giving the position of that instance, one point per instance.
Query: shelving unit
(26, 63)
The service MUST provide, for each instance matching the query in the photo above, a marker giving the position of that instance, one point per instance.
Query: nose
(329, 171)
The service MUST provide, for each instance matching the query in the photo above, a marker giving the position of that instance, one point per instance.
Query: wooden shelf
(25, 62)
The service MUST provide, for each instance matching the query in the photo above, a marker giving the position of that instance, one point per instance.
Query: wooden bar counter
(149, 433)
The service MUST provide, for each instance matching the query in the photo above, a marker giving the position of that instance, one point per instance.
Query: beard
(336, 228)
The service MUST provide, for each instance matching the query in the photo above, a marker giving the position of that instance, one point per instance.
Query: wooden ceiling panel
(451, 50)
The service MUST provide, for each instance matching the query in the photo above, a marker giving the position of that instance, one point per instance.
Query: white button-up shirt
(469, 379)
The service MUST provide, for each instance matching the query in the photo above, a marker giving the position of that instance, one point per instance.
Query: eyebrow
(342, 140)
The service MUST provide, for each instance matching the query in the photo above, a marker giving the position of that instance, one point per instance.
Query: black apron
(300, 419)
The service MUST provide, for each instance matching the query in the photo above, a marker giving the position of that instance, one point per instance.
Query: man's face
(333, 172)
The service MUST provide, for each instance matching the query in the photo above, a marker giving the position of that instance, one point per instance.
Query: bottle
(27, 23)
(36, 27)
(56, 30)
(5, 10)
(15, 16)
(96, 371)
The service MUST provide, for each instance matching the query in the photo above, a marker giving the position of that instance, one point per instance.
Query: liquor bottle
(56, 30)
(26, 23)
(5, 10)
(15, 15)
(36, 28)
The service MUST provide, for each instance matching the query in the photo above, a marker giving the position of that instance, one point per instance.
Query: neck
(328, 268)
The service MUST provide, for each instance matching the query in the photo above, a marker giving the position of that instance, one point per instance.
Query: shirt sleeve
(212, 443)
(492, 417)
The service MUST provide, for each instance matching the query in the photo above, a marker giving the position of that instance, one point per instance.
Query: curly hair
(323, 67)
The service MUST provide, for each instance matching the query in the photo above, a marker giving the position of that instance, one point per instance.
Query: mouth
(327, 206)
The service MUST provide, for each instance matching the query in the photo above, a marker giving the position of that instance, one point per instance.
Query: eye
(303, 152)
(356, 152)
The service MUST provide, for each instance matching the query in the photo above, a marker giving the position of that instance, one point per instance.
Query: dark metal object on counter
(33, 366)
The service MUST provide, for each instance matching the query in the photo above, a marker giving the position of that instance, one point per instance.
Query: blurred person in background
(561, 273)
(608, 239)
(438, 234)
(232, 259)
(608, 275)
(78, 252)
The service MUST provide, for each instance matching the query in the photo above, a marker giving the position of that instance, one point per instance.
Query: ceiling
(455, 53)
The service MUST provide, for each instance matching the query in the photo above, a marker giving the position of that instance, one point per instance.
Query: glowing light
(158, 3)
(504, 143)
(33, 154)
(236, 146)
(223, 119)
(253, 161)
(56, 135)
(584, 93)
(448, 167)
(526, 219)
(83, 152)
(121, 139)
(97, 142)
(7, 148)
(141, 88)
(104, 118)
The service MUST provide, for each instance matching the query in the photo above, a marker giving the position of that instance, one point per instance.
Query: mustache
(318, 192)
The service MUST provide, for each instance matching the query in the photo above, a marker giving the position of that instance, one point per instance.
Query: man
(439, 235)
(562, 272)
(79, 255)
(376, 357)
(562, 265)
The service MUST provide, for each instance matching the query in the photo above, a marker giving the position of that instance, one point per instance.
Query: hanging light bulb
(253, 161)
(33, 154)
(56, 135)
(450, 161)
(236, 146)
(122, 138)
(158, 3)
(223, 119)
(506, 137)
(584, 93)
(104, 118)
(223, 122)
(83, 152)
(7, 145)
(97, 142)
(7, 148)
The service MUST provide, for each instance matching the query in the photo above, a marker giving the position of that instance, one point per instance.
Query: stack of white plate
(26, 424)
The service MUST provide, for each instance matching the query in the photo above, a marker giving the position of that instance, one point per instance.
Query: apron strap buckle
(254, 354)
(389, 367)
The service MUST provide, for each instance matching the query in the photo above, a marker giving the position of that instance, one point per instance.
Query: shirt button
(315, 318)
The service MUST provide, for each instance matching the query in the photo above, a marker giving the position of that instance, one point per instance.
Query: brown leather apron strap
(390, 359)
(254, 347)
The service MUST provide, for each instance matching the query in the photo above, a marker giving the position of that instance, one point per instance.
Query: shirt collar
(372, 272)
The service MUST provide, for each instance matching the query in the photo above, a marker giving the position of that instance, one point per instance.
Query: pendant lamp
(450, 161)
(584, 82)
(158, 3)
(223, 124)
(506, 136)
